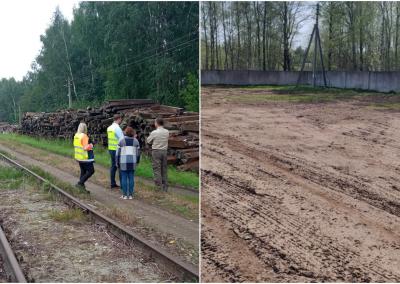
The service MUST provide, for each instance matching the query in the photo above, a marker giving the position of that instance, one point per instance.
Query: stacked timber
(139, 114)
(7, 128)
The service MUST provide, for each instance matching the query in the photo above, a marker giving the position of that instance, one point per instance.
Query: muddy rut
(299, 192)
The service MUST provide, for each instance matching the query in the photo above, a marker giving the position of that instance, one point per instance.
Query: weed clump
(10, 178)
(69, 215)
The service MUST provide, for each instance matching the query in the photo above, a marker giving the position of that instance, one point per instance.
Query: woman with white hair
(83, 154)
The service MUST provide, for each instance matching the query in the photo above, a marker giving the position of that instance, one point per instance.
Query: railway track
(10, 263)
(174, 265)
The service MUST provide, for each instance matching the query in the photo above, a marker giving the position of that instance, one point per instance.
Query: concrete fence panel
(363, 80)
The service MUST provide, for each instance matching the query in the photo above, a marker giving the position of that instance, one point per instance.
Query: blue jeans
(113, 169)
(127, 182)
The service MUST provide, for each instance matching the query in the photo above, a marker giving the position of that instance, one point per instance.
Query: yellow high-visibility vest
(112, 138)
(80, 153)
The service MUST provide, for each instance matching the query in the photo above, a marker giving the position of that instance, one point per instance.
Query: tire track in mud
(229, 253)
(350, 185)
(314, 256)
(286, 257)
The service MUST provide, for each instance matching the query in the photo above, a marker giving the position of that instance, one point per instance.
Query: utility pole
(69, 94)
(317, 49)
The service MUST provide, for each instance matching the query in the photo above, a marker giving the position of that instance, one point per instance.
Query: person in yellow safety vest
(83, 154)
(114, 134)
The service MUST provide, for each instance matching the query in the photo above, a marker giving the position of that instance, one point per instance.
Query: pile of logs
(140, 114)
(7, 128)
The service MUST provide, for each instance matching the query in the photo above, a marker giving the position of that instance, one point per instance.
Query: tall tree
(111, 50)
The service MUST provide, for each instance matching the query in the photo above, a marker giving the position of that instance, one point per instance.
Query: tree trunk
(330, 36)
(264, 35)
(212, 43)
(248, 23)
(238, 35)
(361, 35)
(396, 40)
(216, 35)
(91, 69)
(68, 61)
(352, 34)
(205, 35)
(286, 51)
(231, 39)
(382, 45)
(258, 48)
(225, 42)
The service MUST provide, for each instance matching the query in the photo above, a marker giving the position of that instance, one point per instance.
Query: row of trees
(111, 50)
(262, 35)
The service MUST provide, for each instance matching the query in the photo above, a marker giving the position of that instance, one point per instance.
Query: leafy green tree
(112, 50)
(190, 94)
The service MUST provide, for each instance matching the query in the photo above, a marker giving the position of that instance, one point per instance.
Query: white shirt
(117, 130)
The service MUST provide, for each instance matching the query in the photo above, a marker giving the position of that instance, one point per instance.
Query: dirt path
(311, 191)
(161, 220)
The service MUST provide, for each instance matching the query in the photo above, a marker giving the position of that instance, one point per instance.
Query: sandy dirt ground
(73, 250)
(178, 235)
(299, 192)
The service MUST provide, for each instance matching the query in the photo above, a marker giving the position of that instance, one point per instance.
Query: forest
(111, 50)
(360, 35)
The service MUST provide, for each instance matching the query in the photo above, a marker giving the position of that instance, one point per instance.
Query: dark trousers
(113, 169)
(87, 170)
(159, 158)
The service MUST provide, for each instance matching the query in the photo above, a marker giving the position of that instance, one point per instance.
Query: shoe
(80, 186)
(122, 197)
(115, 187)
(130, 197)
(125, 197)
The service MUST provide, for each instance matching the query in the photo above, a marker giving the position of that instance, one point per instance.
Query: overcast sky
(23, 21)
(21, 24)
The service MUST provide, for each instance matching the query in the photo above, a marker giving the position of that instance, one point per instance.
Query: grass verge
(63, 185)
(300, 94)
(387, 106)
(68, 215)
(10, 178)
(185, 205)
(64, 148)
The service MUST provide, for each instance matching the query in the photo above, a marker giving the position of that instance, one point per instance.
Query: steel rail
(11, 265)
(182, 270)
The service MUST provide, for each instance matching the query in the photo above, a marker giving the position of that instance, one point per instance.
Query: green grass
(71, 214)
(268, 87)
(309, 98)
(300, 94)
(390, 106)
(61, 184)
(64, 148)
(10, 178)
